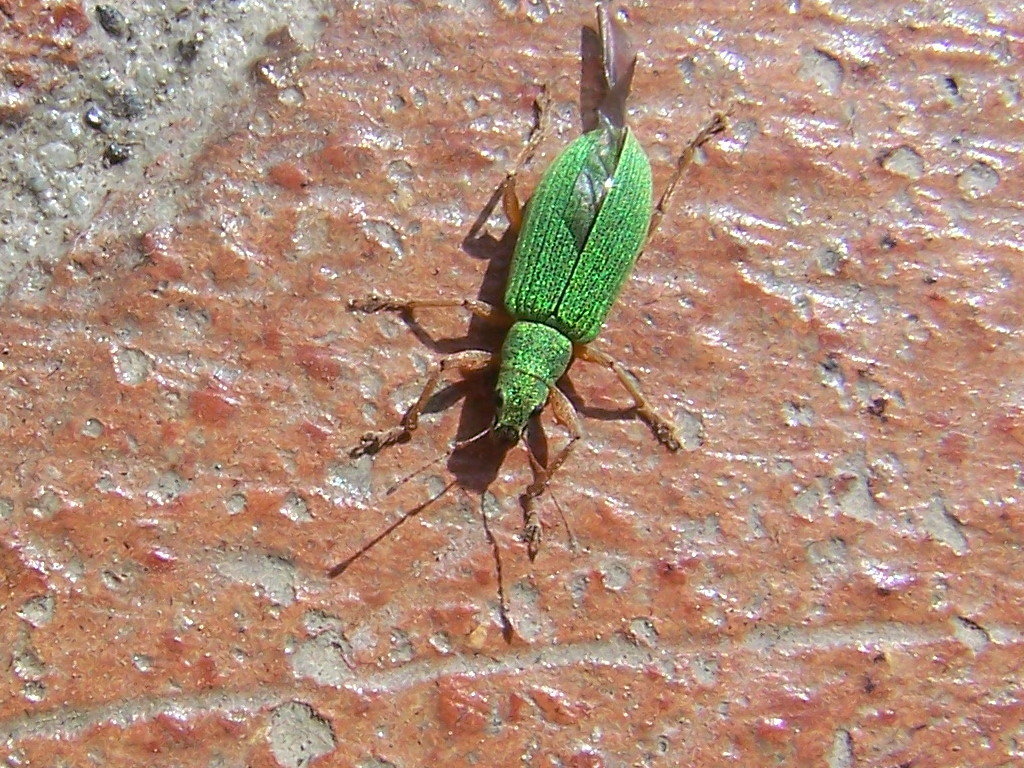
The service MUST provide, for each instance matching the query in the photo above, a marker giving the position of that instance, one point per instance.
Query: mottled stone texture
(827, 575)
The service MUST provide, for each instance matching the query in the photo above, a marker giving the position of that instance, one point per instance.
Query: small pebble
(112, 20)
(95, 118)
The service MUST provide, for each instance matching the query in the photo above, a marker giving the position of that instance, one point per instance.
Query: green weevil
(579, 237)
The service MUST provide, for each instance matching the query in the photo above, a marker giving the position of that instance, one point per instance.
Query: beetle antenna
(341, 567)
(456, 446)
(570, 536)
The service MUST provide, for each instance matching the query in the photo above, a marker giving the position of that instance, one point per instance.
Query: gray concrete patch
(298, 735)
(155, 82)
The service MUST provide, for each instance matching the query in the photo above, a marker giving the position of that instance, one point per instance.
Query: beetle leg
(566, 415)
(513, 208)
(509, 199)
(377, 303)
(468, 361)
(505, 191)
(714, 126)
(541, 107)
(663, 428)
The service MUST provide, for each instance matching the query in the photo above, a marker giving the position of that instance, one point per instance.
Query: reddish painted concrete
(831, 311)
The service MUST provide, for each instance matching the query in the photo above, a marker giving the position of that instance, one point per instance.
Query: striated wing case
(581, 234)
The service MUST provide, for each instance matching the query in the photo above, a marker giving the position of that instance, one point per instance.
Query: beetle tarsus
(467, 360)
(373, 303)
(541, 120)
(664, 431)
(533, 531)
(379, 303)
(374, 442)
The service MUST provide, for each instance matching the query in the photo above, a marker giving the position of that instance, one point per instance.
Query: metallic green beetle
(582, 231)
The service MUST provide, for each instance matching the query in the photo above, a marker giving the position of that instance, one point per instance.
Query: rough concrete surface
(826, 575)
(99, 99)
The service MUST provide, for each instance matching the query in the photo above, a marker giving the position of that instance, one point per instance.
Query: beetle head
(520, 395)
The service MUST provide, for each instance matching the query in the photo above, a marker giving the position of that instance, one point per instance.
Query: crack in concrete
(62, 723)
(615, 652)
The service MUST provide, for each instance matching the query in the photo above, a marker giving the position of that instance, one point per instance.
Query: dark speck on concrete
(116, 153)
(126, 104)
(877, 407)
(189, 49)
(112, 20)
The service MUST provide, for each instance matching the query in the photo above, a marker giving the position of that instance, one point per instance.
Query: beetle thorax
(533, 357)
